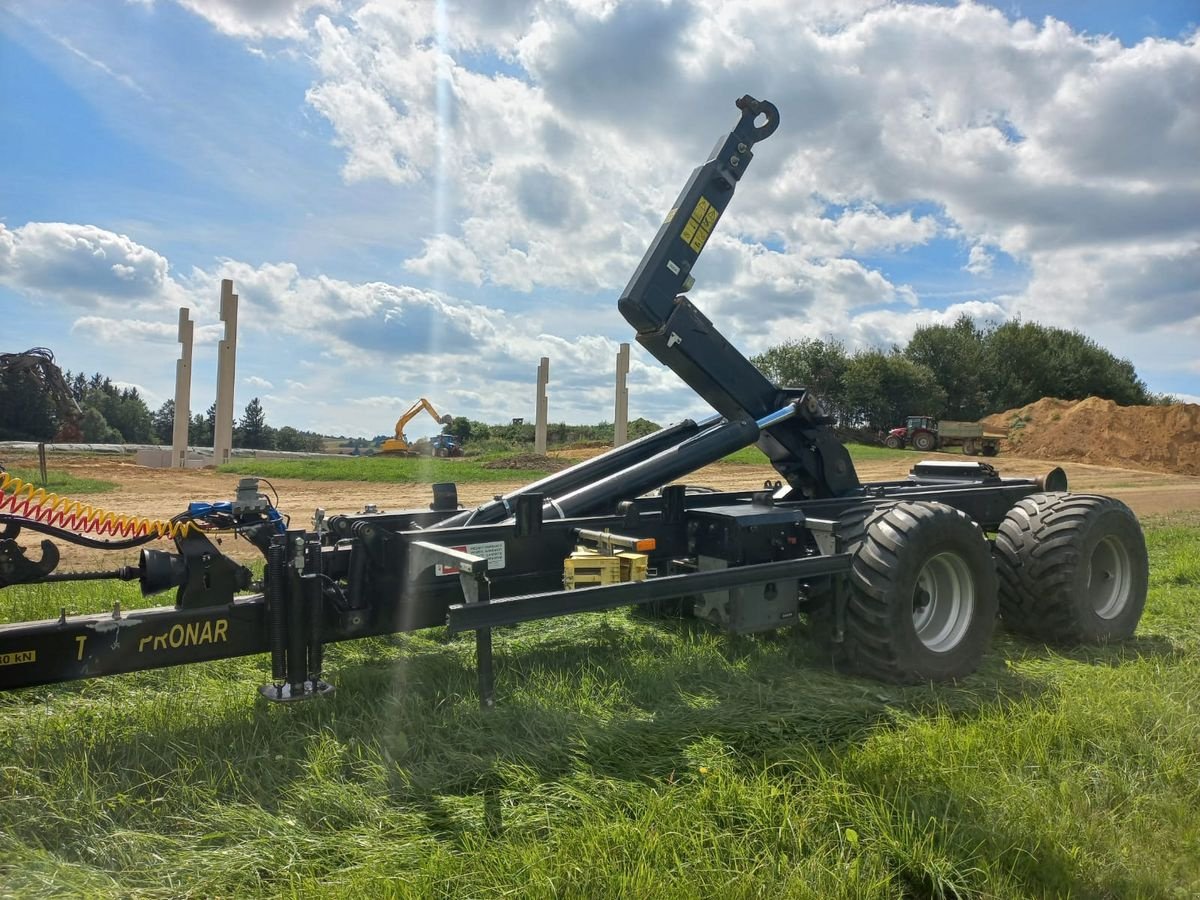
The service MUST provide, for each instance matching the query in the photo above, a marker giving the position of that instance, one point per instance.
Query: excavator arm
(414, 411)
(399, 443)
(804, 448)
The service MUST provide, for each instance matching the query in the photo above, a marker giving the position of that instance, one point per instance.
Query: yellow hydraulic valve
(605, 563)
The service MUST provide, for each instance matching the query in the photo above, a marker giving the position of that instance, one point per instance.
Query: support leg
(483, 662)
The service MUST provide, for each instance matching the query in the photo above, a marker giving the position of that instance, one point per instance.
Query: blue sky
(424, 199)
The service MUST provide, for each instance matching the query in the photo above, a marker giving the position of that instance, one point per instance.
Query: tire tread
(1038, 554)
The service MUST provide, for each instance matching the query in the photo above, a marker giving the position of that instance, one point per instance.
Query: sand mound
(1158, 438)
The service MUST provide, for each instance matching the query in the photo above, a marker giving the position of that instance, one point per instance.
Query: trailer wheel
(970, 448)
(1073, 568)
(990, 449)
(922, 603)
(892, 442)
(924, 441)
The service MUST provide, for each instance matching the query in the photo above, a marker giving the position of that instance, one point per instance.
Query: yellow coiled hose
(20, 498)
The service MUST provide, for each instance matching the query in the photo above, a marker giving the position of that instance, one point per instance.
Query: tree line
(521, 432)
(119, 415)
(959, 371)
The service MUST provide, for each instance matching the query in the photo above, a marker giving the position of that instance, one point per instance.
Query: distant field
(420, 470)
(752, 456)
(471, 469)
(62, 482)
(627, 757)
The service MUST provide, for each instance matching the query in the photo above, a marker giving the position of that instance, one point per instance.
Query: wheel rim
(943, 602)
(1109, 578)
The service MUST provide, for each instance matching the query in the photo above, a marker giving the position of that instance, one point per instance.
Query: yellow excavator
(399, 444)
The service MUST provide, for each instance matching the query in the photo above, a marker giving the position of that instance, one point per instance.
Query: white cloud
(447, 256)
(255, 381)
(882, 328)
(979, 261)
(258, 19)
(83, 265)
(868, 230)
(1029, 137)
(152, 397)
(103, 330)
(1145, 285)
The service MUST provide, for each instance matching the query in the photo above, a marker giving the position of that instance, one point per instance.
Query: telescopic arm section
(803, 449)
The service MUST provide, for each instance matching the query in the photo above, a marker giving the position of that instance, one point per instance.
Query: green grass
(752, 456)
(378, 468)
(628, 757)
(63, 482)
(424, 470)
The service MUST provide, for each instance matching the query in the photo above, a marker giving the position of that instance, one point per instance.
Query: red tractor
(926, 433)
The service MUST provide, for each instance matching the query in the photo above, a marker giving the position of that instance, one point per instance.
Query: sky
(425, 198)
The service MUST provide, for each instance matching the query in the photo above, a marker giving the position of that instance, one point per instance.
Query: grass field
(628, 757)
(392, 469)
(463, 471)
(752, 456)
(62, 482)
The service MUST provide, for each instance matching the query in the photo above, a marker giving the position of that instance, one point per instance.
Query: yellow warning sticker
(18, 657)
(699, 225)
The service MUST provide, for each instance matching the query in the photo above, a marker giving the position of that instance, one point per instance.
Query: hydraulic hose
(26, 500)
(73, 537)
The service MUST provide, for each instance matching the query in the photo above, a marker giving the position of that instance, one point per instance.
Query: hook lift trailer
(899, 579)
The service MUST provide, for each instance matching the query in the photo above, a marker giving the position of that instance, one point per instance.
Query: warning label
(699, 225)
(492, 551)
(18, 657)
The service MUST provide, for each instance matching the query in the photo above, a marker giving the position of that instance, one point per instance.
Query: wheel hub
(943, 602)
(1109, 578)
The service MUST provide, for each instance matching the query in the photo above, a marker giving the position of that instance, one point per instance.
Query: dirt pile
(527, 462)
(1158, 438)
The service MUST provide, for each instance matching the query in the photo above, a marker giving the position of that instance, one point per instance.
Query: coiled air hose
(23, 499)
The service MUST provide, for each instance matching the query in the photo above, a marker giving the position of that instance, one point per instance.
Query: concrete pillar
(226, 361)
(183, 392)
(621, 415)
(543, 406)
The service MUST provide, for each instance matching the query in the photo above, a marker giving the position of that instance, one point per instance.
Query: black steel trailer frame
(868, 562)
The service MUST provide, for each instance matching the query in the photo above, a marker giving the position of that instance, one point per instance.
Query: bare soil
(532, 462)
(1154, 438)
(162, 493)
